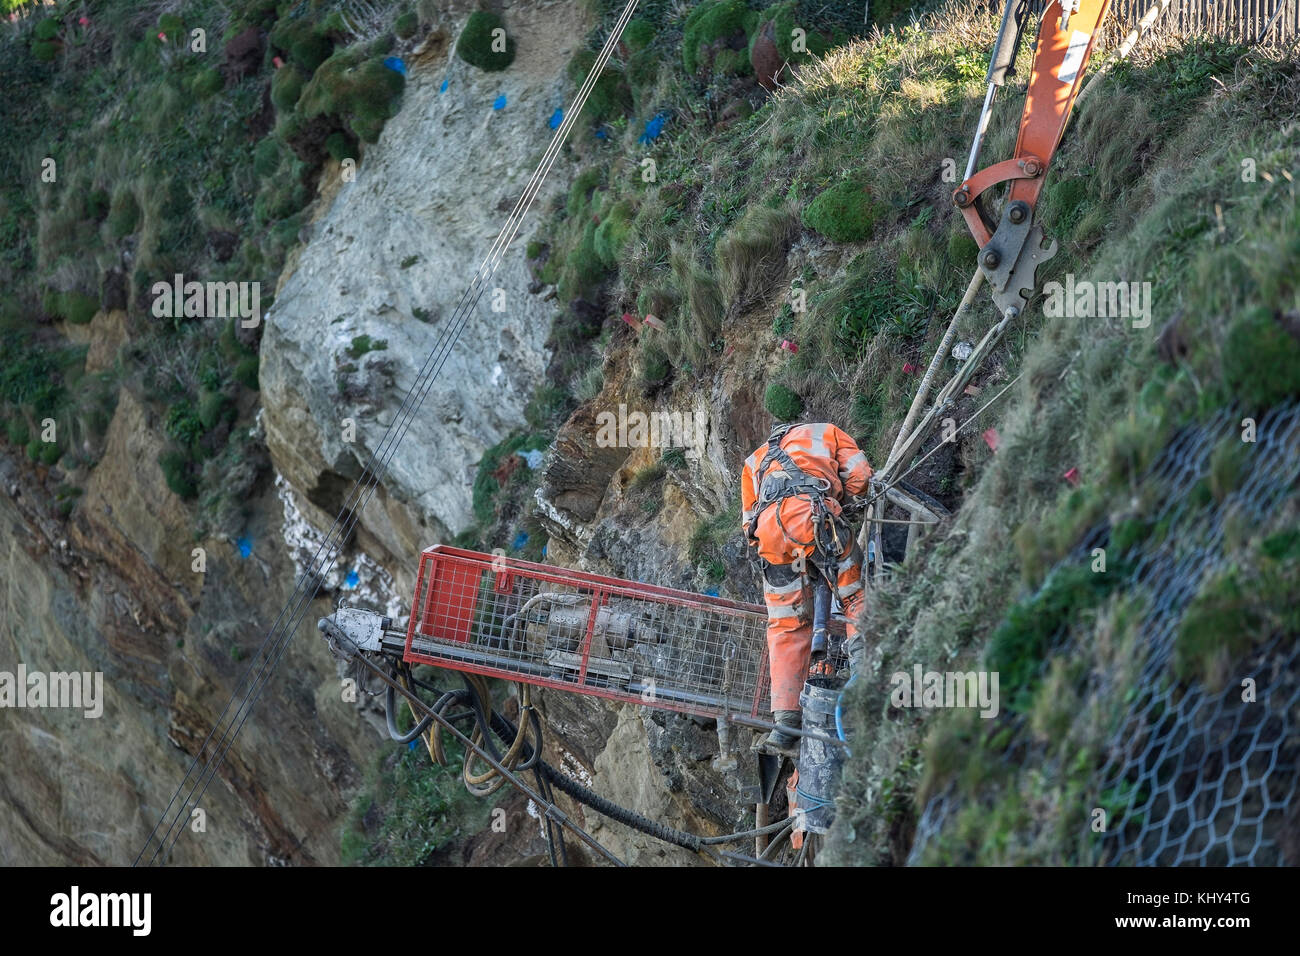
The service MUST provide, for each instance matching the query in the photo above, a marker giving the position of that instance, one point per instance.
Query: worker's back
(819, 449)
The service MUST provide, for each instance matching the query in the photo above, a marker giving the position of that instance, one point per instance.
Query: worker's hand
(855, 505)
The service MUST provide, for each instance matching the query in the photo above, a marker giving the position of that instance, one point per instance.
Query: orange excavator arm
(1012, 249)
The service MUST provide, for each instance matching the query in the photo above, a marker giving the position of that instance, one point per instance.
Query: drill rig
(490, 616)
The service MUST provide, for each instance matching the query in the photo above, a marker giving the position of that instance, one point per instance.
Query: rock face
(113, 591)
(390, 259)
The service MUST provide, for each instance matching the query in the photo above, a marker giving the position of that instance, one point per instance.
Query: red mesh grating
(583, 632)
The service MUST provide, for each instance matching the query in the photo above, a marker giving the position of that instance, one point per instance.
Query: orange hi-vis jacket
(823, 451)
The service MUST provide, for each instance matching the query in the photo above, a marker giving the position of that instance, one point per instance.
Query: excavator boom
(1012, 249)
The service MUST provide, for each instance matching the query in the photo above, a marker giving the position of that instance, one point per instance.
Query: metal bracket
(999, 256)
(1021, 283)
(1068, 7)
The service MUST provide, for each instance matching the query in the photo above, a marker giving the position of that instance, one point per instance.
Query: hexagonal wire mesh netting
(1207, 777)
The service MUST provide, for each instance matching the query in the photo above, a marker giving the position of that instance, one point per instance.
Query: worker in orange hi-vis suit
(792, 489)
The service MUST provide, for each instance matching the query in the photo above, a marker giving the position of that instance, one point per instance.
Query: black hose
(390, 705)
(745, 834)
(506, 730)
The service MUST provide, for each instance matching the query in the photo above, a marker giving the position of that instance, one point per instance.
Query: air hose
(490, 781)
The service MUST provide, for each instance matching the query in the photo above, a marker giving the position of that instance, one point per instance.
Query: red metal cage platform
(595, 635)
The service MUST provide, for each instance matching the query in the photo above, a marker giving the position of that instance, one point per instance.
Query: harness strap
(797, 482)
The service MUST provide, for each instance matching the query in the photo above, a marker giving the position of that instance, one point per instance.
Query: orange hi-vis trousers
(787, 591)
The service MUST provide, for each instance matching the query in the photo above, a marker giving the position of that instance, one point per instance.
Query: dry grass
(750, 257)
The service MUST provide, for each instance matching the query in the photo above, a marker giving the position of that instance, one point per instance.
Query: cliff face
(112, 588)
(390, 259)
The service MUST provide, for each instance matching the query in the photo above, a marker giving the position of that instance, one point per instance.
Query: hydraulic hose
(390, 707)
(486, 783)
(506, 730)
(527, 756)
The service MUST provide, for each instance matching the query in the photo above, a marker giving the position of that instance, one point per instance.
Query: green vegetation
(845, 212)
(796, 24)
(610, 96)
(784, 404)
(362, 344)
(355, 88)
(716, 36)
(481, 46)
(406, 24)
(1017, 648)
(488, 484)
(1249, 602)
(638, 34)
(221, 164)
(304, 43)
(411, 809)
(612, 233)
(1261, 358)
(708, 539)
(286, 88)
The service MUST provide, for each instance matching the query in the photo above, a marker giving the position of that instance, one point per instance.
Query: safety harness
(791, 481)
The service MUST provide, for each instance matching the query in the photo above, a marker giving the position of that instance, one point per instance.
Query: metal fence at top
(596, 635)
(1194, 776)
(1247, 21)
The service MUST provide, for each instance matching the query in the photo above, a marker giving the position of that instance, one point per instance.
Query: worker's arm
(747, 499)
(854, 471)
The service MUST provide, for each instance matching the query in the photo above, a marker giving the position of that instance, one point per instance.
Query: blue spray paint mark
(352, 580)
(601, 134)
(653, 128)
(521, 539)
(443, 88)
(499, 103)
(245, 547)
(543, 550)
(411, 745)
(712, 592)
(396, 64)
(556, 118)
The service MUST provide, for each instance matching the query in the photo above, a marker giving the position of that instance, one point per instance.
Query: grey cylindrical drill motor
(819, 763)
